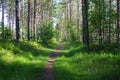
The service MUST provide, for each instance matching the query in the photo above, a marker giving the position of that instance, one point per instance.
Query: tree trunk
(85, 23)
(109, 29)
(28, 24)
(41, 13)
(78, 19)
(23, 12)
(118, 26)
(3, 4)
(34, 23)
(67, 16)
(70, 10)
(17, 20)
(10, 20)
(100, 29)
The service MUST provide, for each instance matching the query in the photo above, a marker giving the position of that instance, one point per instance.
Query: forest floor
(23, 60)
(49, 72)
(36, 61)
(75, 63)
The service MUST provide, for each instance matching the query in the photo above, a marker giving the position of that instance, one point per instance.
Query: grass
(23, 60)
(75, 63)
(26, 61)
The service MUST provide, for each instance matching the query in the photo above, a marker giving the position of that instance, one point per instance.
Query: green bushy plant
(46, 33)
(6, 35)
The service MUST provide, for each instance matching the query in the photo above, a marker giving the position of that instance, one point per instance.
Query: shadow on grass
(94, 48)
(101, 63)
(27, 60)
(64, 74)
(17, 71)
(23, 48)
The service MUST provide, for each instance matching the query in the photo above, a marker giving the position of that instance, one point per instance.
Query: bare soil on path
(49, 73)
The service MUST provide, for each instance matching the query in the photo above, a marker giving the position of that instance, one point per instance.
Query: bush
(53, 41)
(46, 33)
(6, 35)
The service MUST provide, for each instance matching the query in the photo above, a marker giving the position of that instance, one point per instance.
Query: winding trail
(48, 73)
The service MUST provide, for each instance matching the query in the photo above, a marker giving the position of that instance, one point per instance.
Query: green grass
(26, 61)
(23, 60)
(76, 64)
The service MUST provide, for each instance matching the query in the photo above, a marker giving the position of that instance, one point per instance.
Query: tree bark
(34, 23)
(109, 29)
(118, 26)
(17, 20)
(23, 12)
(3, 4)
(10, 20)
(85, 23)
(78, 19)
(28, 24)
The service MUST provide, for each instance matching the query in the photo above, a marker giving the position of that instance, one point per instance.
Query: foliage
(102, 20)
(6, 35)
(72, 37)
(46, 33)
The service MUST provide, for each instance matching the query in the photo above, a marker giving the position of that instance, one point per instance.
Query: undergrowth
(75, 63)
(23, 60)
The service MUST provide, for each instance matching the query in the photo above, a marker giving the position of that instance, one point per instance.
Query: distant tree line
(89, 21)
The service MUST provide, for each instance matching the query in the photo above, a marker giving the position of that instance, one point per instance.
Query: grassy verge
(76, 64)
(22, 61)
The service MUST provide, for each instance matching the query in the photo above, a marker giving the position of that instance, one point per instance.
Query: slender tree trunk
(103, 21)
(109, 29)
(41, 13)
(9, 7)
(23, 12)
(65, 24)
(70, 16)
(118, 26)
(28, 24)
(34, 23)
(70, 11)
(67, 16)
(100, 29)
(3, 4)
(85, 23)
(83, 16)
(78, 19)
(17, 20)
(48, 9)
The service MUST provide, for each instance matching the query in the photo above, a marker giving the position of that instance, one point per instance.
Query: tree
(78, 20)
(109, 29)
(118, 26)
(3, 4)
(85, 22)
(23, 13)
(28, 23)
(9, 14)
(17, 20)
(34, 23)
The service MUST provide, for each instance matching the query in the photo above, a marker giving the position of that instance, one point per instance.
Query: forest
(59, 39)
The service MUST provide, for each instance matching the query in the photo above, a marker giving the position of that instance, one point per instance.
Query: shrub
(46, 33)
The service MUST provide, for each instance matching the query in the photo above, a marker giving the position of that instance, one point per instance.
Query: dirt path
(48, 73)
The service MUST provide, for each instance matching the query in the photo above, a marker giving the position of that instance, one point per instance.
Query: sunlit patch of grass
(78, 65)
(23, 60)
